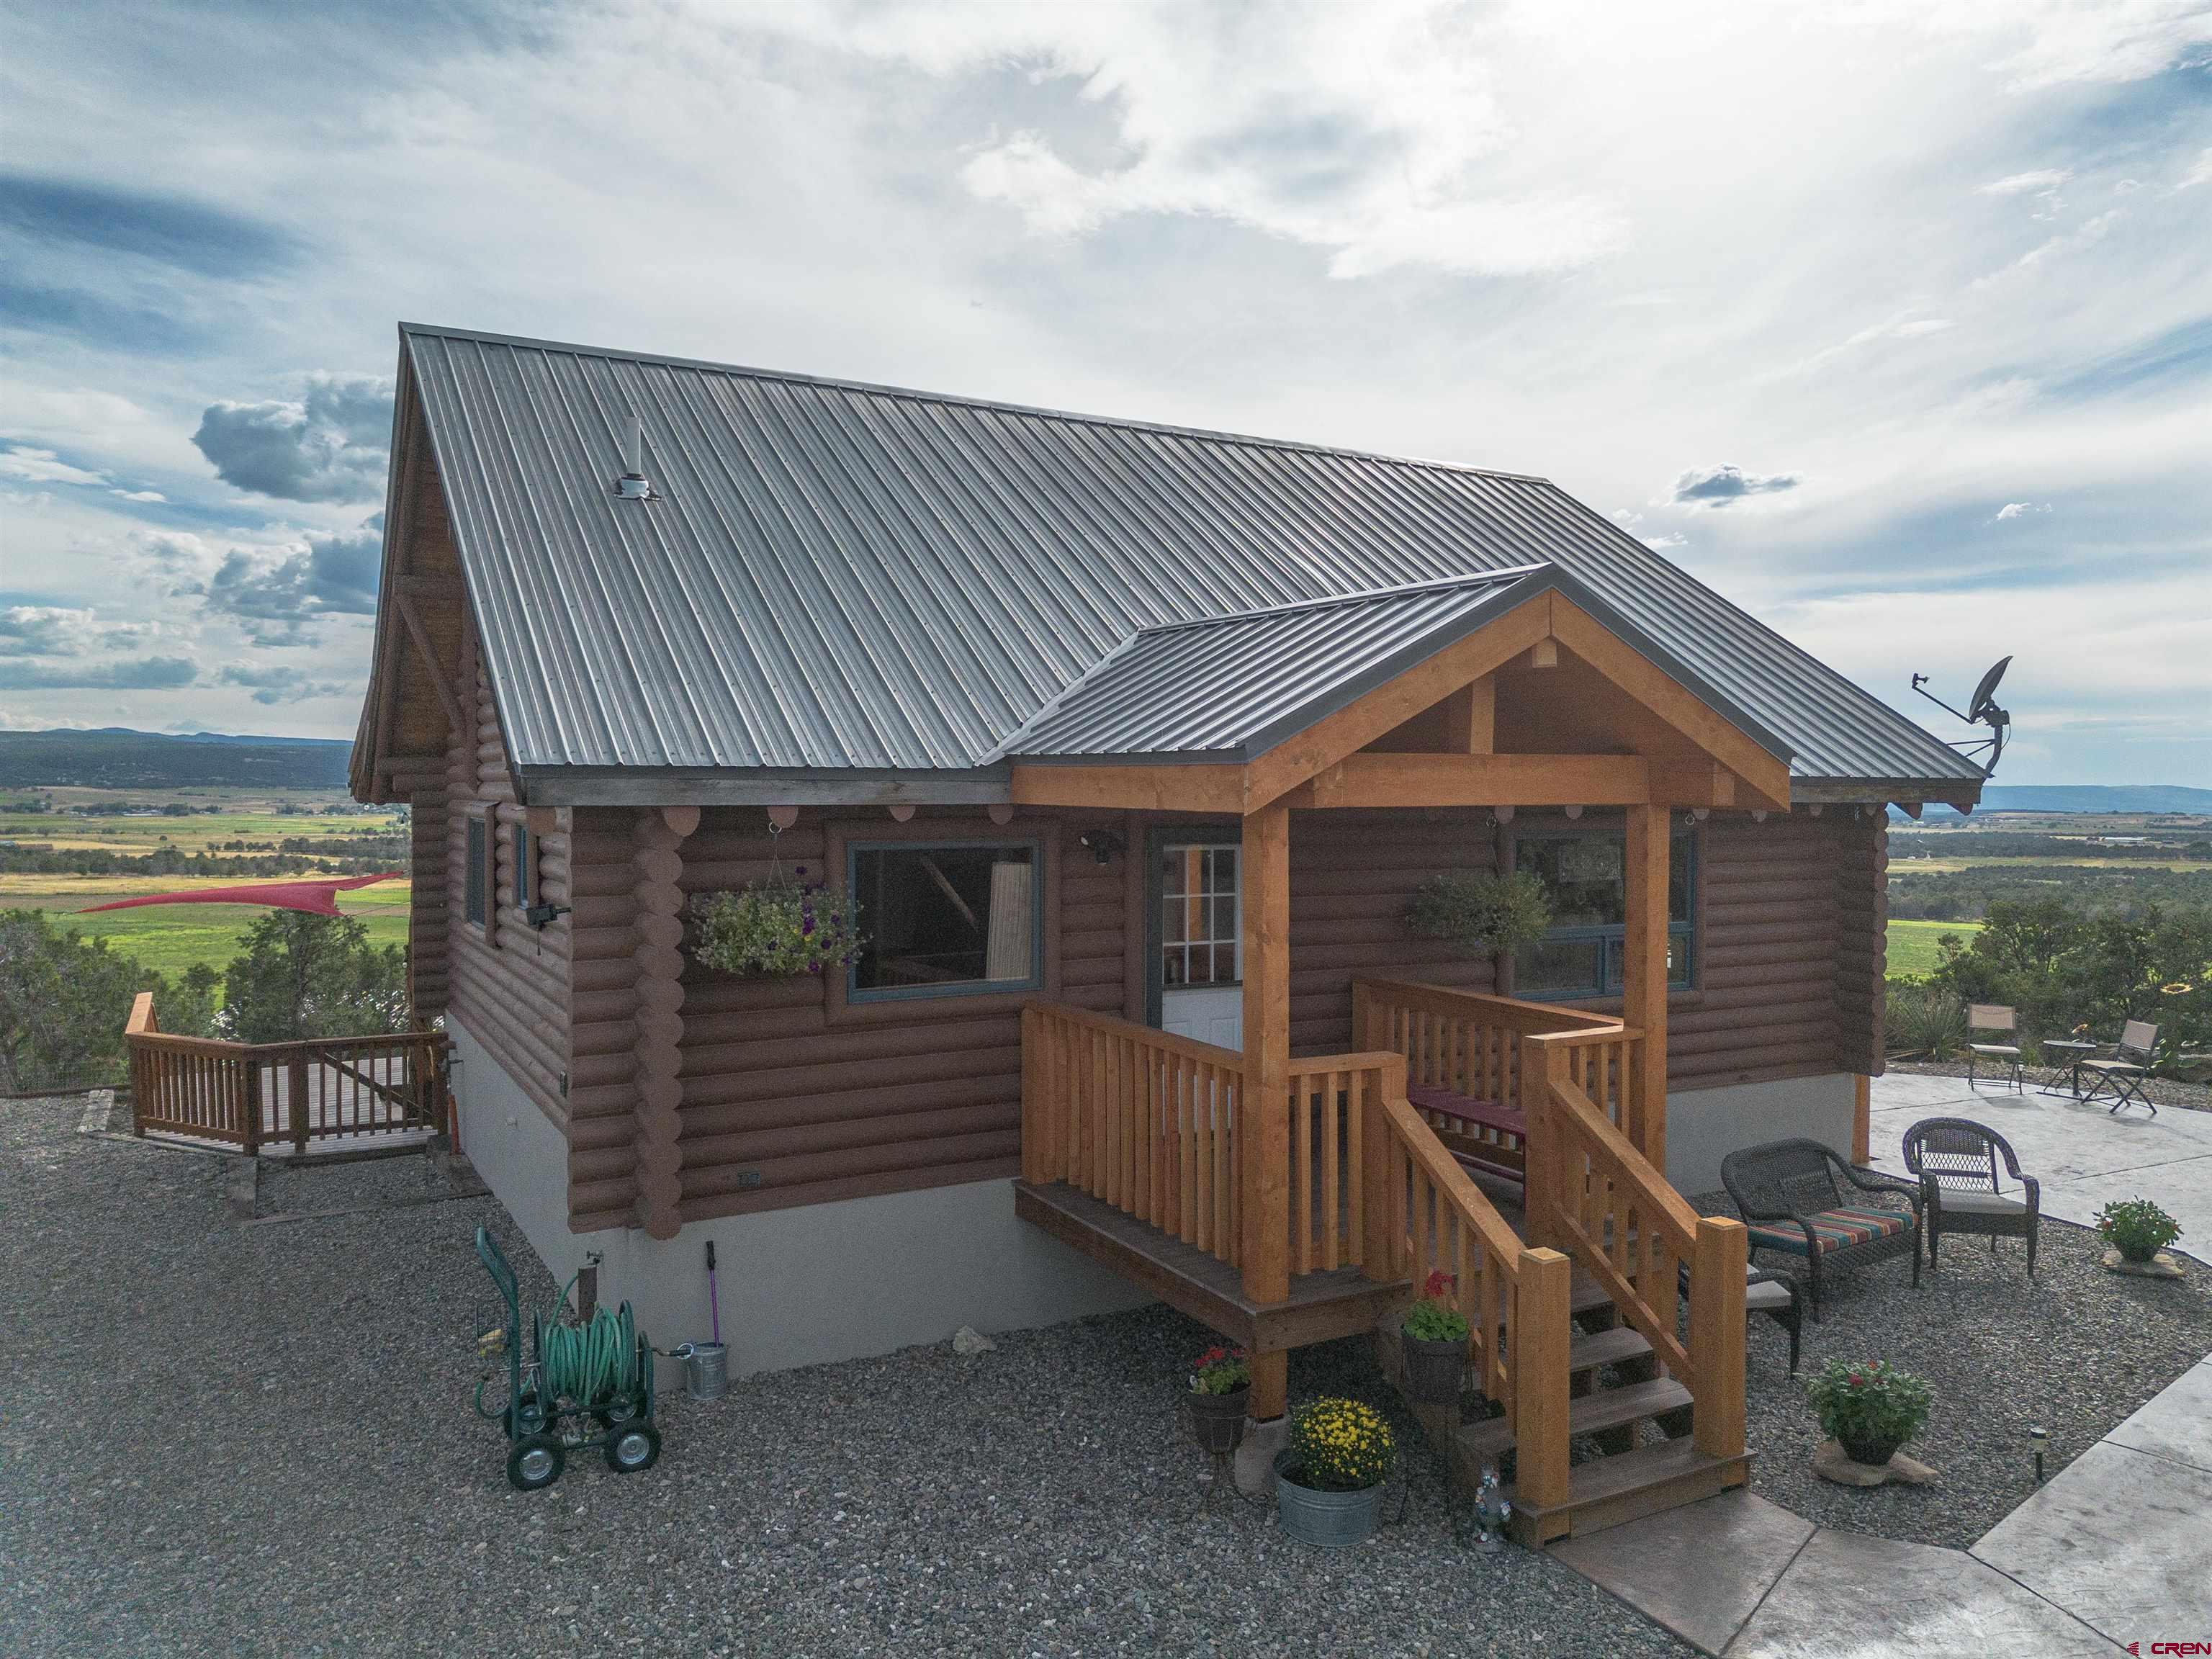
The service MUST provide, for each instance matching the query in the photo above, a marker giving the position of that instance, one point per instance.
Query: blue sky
(1895, 322)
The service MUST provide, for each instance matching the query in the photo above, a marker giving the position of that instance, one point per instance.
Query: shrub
(1863, 1400)
(2137, 1228)
(1220, 1370)
(304, 976)
(1480, 911)
(1925, 1022)
(778, 929)
(1340, 1445)
(1433, 1318)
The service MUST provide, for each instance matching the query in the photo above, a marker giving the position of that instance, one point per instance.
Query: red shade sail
(317, 897)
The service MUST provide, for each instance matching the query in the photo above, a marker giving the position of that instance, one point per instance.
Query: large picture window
(944, 919)
(1586, 877)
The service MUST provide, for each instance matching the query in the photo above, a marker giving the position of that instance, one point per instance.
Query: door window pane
(1199, 921)
(946, 918)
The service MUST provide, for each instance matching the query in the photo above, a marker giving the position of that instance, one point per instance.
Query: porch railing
(1591, 1192)
(1143, 1120)
(259, 1094)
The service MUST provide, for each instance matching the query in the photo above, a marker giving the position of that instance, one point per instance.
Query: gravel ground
(2075, 1351)
(2166, 1090)
(224, 1438)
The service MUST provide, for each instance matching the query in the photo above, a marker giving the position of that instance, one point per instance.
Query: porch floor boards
(1320, 1308)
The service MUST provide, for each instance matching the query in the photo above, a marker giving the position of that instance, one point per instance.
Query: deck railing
(1143, 1120)
(1591, 1192)
(250, 1095)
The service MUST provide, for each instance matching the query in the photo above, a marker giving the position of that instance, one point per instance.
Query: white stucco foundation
(800, 1286)
(1704, 1125)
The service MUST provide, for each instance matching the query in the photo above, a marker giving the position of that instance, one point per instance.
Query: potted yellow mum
(1329, 1474)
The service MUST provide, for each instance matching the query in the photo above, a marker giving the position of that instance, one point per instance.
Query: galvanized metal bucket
(707, 1370)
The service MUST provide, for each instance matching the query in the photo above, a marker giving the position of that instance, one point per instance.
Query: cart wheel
(535, 1461)
(529, 1415)
(633, 1448)
(620, 1408)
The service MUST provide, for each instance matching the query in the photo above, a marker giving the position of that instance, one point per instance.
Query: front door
(1195, 896)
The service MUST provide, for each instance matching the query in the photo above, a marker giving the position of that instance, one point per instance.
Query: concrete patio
(2113, 1551)
(2084, 1154)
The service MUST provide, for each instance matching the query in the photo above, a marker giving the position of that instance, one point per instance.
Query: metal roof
(1232, 688)
(856, 578)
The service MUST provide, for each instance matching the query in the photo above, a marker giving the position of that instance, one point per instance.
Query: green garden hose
(588, 1363)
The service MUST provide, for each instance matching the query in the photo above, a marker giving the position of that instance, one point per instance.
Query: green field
(1913, 944)
(170, 938)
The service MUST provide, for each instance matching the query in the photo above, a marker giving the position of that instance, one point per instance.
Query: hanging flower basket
(778, 929)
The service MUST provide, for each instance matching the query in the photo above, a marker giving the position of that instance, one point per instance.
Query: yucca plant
(1924, 1023)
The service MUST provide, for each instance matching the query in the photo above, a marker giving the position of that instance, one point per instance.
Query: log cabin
(1132, 744)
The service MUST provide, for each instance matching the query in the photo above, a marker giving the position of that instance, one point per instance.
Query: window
(945, 919)
(1587, 878)
(475, 889)
(1199, 925)
(526, 868)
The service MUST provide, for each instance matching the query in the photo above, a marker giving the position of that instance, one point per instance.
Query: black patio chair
(2130, 1064)
(1956, 1160)
(1796, 1198)
(1772, 1294)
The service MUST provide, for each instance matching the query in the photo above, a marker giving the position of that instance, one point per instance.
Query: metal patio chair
(1956, 1160)
(1796, 1197)
(2123, 1075)
(1992, 1017)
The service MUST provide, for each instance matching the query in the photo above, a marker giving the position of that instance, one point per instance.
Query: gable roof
(1231, 688)
(855, 578)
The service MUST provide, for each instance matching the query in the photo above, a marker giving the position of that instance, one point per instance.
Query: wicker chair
(1956, 1160)
(1795, 1198)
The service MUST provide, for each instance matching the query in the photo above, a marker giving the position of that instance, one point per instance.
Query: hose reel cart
(587, 1383)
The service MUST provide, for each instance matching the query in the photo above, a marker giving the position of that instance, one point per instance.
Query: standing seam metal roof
(854, 577)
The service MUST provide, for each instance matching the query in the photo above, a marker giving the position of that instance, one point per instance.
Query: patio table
(2071, 1054)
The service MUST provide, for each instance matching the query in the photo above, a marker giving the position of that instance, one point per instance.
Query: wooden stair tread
(1616, 1346)
(1603, 1478)
(1608, 1492)
(1606, 1408)
(1585, 1295)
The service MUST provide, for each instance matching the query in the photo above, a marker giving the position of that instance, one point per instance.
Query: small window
(946, 919)
(526, 868)
(1200, 926)
(475, 890)
(1586, 875)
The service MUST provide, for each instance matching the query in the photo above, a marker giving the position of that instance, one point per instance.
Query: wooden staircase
(1629, 1429)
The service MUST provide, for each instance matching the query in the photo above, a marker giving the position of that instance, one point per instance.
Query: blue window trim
(1609, 983)
(856, 993)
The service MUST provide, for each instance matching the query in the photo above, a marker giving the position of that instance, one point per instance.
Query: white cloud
(1662, 542)
(2041, 179)
(29, 465)
(2019, 510)
(2200, 172)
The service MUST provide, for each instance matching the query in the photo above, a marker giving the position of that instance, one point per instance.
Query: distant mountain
(2081, 798)
(116, 757)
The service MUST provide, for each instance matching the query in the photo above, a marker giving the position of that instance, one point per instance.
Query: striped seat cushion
(1833, 1229)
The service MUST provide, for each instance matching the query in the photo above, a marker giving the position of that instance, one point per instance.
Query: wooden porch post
(1263, 1135)
(1643, 981)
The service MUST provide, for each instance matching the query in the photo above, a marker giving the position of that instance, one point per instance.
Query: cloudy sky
(1893, 322)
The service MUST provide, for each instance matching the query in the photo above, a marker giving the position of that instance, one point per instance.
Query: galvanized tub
(707, 1370)
(1327, 1520)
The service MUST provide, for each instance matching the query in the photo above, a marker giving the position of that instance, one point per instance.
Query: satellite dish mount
(1982, 710)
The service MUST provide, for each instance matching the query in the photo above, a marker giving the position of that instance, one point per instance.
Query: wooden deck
(1321, 1306)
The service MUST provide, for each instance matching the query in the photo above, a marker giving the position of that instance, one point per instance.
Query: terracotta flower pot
(1434, 1369)
(1218, 1421)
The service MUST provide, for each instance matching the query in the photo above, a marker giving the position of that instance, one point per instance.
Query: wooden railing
(1140, 1119)
(1592, 1194)
(1469, 1043)
(1331, 1099)
(251, 1095)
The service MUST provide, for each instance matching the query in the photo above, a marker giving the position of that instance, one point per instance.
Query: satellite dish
(1986, 691)
(1983, 710)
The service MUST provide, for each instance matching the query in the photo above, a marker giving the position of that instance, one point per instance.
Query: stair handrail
(1587, 1185)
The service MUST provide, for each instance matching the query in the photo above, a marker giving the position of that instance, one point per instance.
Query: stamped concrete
(1700, 1571)
(1850, 1597)
(2083, 1154)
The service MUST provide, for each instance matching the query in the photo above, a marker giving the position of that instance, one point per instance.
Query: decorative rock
(1830, 1464)
(968, 1341)
(2161, 1266)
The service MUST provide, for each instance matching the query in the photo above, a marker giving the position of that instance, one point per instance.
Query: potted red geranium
(1220, 1388)
(1434, 1337)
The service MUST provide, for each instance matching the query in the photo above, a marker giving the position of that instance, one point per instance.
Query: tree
(303, 975)
(66, 999)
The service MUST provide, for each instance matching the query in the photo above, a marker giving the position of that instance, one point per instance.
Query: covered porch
(1286, 1199)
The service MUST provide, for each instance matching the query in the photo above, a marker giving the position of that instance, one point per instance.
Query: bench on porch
(1486, 1136)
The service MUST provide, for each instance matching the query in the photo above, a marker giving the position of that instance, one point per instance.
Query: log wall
(1862, 940)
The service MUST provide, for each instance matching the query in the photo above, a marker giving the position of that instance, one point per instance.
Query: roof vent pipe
(632, 485)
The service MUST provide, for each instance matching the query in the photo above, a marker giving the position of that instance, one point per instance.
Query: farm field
(170, 938)
(221, 816)
(1905, 866)
(1912, 944)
